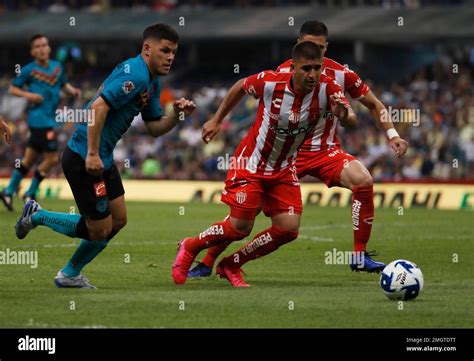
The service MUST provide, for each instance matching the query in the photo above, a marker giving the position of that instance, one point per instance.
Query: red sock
(214, 252)
(362, 215)
(216, 234)
(262, 244)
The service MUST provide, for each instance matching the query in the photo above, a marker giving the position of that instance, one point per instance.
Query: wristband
(392, 133)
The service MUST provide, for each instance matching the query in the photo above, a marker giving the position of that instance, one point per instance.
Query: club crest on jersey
(294, 117)
(99, 189)
(128, 86)
(240, 197)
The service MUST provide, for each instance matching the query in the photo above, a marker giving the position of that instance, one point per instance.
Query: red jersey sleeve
(254, 84)
(354, 85)
(335, 95)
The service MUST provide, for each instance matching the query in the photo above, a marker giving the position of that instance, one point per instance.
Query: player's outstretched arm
(6, 131)
(71, 90)
(32, 97)
(212, 127)
(100, 109)
(382, 116)
(182, 108)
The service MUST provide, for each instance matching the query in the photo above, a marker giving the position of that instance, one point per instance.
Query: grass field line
(315, 238)
(33, 323)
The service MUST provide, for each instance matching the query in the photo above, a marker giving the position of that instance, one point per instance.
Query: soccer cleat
(81, 281)
(199, 271)
(24, 225)
(367, 264)
(232, 274)
(7, 201)
(182, 264)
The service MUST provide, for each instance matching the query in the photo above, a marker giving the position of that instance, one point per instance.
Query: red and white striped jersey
(325, 133)
(284, 120)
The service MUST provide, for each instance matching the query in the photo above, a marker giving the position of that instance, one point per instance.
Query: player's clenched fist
(398, 145)
(184, 105)
(94, 165)
(6, 131)
(210, 129)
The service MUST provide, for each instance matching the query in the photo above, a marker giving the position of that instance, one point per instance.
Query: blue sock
(15, 180)
(35, 182)
(63, 223)
(85, 253)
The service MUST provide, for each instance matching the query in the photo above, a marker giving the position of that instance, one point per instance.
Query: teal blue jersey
(46, 82)
(129, 90)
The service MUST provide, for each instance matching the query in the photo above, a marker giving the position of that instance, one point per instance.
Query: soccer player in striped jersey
(263, 175)
(321, 155)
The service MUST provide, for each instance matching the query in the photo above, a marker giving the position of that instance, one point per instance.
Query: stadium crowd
(439, 128)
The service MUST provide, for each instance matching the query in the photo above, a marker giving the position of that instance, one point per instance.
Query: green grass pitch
(291, 288)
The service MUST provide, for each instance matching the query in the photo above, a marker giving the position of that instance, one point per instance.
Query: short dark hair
(314, 27)
(36, 37)
(307, 50)
(161, 31)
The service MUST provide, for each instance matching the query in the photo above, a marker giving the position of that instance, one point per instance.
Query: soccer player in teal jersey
(44, 79)
(133, 87)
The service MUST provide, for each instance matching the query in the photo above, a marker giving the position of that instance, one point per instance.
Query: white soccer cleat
(81, 281)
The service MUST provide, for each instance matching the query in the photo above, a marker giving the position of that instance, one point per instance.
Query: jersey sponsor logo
(100, 189)
(358, 83)
(257, 242)
(241, 197)
(332, 154)
(128, 86)
(292, 132)
(355, 214)
(212, 230)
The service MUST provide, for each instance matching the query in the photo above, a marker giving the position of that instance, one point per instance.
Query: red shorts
(326, 164)
(248, 195)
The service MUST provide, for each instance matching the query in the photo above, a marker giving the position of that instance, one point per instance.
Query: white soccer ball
(401, 280)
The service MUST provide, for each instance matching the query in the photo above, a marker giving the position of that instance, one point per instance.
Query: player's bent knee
(243, 230)
(363, 180)
(99, 231)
